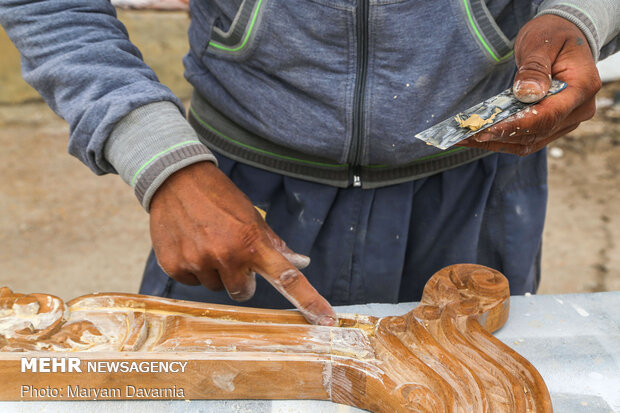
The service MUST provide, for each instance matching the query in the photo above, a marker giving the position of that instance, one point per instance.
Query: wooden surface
(438, 357)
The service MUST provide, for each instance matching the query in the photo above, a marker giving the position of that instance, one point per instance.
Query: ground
(65, 231)
(581, 245)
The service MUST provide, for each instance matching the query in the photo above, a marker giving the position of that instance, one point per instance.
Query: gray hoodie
(330, 90)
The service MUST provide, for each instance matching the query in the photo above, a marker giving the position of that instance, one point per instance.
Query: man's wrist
(150, 144)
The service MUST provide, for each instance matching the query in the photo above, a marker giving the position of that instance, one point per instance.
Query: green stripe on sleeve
(150, 161)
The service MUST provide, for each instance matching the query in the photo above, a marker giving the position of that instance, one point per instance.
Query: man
(310, 108)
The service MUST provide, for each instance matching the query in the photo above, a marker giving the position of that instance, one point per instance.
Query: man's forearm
(150, 144)
(78, 56)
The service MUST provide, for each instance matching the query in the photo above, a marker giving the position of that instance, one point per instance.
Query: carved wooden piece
(440, 357)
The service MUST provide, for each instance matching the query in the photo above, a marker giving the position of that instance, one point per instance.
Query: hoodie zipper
(356, 147)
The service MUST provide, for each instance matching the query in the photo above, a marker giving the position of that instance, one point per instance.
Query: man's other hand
(547, 46)
(205, 231)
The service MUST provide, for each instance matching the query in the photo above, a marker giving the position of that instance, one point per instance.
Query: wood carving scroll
(439, 357)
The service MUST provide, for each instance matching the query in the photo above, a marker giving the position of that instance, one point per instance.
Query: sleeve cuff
(151, 143)
(597, 20)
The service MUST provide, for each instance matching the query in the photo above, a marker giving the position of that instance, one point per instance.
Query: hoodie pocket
(484, 30)
(238, 39)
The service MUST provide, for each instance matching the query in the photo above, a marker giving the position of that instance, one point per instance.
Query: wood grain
(439, 357)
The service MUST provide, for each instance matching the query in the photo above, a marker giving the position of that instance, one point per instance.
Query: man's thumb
(533, 76)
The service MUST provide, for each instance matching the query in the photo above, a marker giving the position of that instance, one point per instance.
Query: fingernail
(327, 321)
(300, 261)
(484, 137)
(241, 295)
(528, 91)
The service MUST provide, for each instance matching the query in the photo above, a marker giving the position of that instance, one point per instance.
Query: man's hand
(548, 46)
(205, 231)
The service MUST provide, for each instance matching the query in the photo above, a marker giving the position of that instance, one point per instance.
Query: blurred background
(67, 232)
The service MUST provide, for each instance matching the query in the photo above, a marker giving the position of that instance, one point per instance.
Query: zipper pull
(357, 181)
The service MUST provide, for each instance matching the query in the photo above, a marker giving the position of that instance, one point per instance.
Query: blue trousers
(382, 245)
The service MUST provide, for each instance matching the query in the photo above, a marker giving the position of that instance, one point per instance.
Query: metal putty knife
(479, 117)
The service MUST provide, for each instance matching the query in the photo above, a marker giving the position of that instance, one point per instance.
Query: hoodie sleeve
(599, 20)
(78, 56)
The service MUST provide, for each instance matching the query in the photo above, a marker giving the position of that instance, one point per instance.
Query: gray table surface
(573, 341)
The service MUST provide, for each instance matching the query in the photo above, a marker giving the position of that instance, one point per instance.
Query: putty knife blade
(449, 132)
